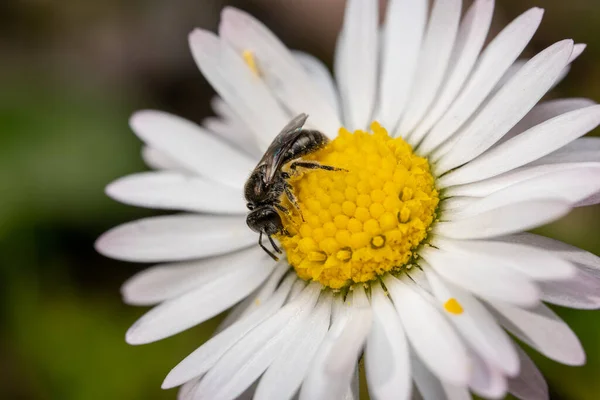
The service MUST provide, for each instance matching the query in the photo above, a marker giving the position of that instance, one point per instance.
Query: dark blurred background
(71, 73)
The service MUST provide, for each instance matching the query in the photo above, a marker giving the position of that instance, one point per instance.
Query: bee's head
(264, 219)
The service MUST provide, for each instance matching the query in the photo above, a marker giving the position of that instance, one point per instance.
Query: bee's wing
(274, 156)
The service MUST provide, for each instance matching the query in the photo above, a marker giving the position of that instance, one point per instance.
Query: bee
(269, 181)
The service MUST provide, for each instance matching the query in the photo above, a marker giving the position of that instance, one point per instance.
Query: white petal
(586, 149)
(283, 378)
(248, 394)
(456, 203)
(419, 277)
(572, 186)
(482, 276)
(175, 191)
(255, 299)
(320, 75)
(589, 201)
(315, 384)
(349, 344)
(491, 185)
(574, 254)
(577, 50)
(235, 133)
(433, 61)
(207, 355)
(297, 288)
(333, 367)
(267, 290)
(192, 146)
(428, 385)
(456, 392)
(428, 332)
(234, 313)
(249, 358)
(545, 111)
(508, 106)
(504, 220)
(431, 388)
(487, 381)
(205, 301)
(223, 110)
(175, 238)
(476, 325)
(282, 73)
(582, 291)
(340, 62)
(508, 75)
(402, 35)
(528, 146)
(493, 62)
(531, 261)
(543, 330)
(530, 384)
(358, 82)
(387, 359)
(469, 41)
(186, 392)
(233, 80)
(353, 392)
(166, 281)
(158, 160)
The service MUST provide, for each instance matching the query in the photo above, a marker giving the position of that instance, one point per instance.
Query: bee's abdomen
(309, 142)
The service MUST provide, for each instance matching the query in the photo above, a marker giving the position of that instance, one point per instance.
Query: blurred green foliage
(64, 136)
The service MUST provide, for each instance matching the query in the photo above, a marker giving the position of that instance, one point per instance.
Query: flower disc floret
(363, 220)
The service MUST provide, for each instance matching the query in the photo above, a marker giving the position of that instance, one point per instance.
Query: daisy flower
(412, 255)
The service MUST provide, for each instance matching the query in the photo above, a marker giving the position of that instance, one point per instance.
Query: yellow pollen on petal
(363, 220)
(453, 306)
(248, 56)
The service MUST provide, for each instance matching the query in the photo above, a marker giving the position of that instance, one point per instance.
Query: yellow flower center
(362, 221)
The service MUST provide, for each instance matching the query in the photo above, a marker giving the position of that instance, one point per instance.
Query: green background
(71, 73)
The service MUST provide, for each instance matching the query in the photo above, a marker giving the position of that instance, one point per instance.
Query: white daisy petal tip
(140, 119)
(535, 14)
(128, 291)
(234, 17)
(172, 379)
(116, 189)
(201, 42)
(197, 35)
(105, 243)
(134, 337)
(112, 189)
(578, 49)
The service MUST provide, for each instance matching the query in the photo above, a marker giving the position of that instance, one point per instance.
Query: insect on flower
(269, 180)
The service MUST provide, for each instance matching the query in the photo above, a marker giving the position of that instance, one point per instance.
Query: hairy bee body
(269, 182)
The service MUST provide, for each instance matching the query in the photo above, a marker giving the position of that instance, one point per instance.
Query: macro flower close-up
(374, 221)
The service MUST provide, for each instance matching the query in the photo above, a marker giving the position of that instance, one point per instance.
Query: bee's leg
(273, 256)
(314, 165)
(277, 249)
(281, 208)
(292, 198)
(286, 233)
